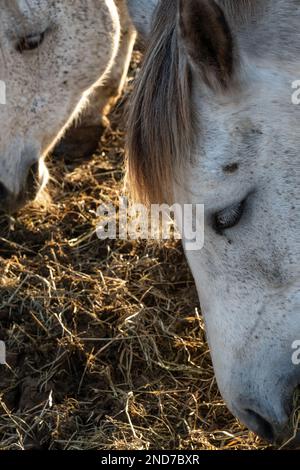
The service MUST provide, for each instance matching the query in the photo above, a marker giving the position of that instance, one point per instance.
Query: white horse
(212, 121)
(55, 57)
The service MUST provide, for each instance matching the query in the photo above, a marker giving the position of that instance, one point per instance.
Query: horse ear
(208, 40)
(141, 13)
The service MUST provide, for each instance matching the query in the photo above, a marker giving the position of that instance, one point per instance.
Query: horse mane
(160, 124)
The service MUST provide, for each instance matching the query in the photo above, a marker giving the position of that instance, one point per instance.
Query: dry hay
(296, 414)
(294, 441)
(106, 346)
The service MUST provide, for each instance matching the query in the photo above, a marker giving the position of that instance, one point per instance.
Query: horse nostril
(260, 425)
(4, 193)
(32, 183)
(33, 175)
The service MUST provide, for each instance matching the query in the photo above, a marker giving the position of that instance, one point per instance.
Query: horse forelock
(160, 127)
(161, 121)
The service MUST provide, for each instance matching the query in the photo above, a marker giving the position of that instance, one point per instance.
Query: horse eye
(229, 217)
(30, 43)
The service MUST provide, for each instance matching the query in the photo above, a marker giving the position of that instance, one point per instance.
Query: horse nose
(272, 422)
(267, 428)
(32, 183)
(11, 202)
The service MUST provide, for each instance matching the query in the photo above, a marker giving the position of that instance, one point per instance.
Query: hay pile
(106, 345)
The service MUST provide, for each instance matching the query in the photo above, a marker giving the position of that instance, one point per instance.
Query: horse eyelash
(229, 217)
(30, 43)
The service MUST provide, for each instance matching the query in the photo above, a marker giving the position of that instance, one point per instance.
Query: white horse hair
(212, 122)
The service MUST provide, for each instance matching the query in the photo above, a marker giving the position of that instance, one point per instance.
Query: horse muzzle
(275, 418)
(34, 178)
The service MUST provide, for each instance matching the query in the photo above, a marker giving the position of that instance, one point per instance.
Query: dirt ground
(105, 342)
